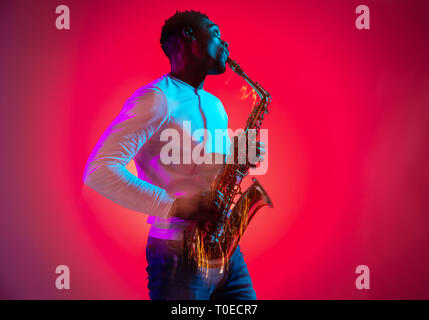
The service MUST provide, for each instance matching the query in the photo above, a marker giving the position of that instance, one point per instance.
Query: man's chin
(218, 69)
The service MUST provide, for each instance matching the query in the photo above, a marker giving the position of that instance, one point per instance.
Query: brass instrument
(212, 246)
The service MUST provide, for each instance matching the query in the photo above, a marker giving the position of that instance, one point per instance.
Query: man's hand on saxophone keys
(250, 155)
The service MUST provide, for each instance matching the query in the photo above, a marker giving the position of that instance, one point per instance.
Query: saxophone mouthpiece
(233, 65)
(231, 62)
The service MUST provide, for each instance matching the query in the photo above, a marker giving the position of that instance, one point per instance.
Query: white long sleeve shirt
(163, 115)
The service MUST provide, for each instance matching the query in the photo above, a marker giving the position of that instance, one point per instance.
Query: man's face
(211, 48)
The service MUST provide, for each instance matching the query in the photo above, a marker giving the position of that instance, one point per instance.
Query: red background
(348, 144)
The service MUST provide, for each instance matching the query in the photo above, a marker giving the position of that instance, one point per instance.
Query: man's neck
(190, 71)
(196, 80)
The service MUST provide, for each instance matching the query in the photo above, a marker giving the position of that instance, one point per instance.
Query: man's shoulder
(148, 99)
(157, 86)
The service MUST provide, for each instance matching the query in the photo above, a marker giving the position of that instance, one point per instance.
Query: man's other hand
(195, 208)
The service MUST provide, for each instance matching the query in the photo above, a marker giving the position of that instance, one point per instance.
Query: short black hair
(174, 25)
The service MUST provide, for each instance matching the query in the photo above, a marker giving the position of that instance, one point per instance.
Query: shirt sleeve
(105, 172)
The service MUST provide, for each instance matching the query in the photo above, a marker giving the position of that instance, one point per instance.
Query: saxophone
(211, 246)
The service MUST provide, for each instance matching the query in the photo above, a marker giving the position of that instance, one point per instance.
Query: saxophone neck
(263, 94)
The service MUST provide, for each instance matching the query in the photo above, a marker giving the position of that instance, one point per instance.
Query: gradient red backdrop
(348, 143)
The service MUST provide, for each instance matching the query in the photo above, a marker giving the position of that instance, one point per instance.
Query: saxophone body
(212, 246)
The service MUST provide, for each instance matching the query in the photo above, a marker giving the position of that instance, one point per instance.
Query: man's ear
(188, 33)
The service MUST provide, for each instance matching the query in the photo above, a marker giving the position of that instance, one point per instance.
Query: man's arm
(105, 172)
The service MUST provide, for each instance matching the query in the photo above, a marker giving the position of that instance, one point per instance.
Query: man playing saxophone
(175, 196)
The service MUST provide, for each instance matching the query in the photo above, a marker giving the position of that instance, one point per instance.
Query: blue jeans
(173, 276)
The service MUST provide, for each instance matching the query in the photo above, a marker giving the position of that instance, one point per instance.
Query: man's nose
(225, 44)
